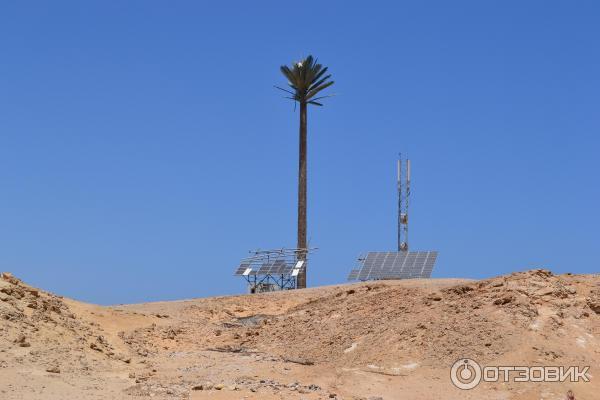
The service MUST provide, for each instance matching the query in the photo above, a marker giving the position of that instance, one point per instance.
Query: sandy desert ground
(374, 340)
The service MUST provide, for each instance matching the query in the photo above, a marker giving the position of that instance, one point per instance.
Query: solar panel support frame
(272, 270)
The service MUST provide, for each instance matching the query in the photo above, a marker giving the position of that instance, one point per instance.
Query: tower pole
(407, 195)
(399, 187)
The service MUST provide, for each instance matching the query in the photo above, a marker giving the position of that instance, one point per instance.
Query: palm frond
(322, 97)
(319, 75)
(316, 84)
(285, 90)
(306, 78)
(316, 90)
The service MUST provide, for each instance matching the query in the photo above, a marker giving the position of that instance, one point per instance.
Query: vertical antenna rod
(399, 186)
(406, 207)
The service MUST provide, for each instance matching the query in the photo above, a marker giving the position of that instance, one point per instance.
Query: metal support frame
(262, 281)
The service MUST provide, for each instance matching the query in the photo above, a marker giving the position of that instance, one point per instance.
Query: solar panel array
(242, 268)
(275, 267)
(262, 265)
(395, 265)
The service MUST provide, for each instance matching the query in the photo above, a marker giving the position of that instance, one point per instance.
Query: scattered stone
(203, 386)
(298, 361)
(504, 300)
(22, 341)
(593, 301)
(94, 346)
(53, 369)
(8, 277)
(461, 289)
(434, 297)
(545, 291)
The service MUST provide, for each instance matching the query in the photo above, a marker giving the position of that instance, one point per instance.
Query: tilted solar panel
(242, 268)
(395, 265)
(353, 275)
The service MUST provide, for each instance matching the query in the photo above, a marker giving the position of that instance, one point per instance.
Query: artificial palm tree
(306, 79)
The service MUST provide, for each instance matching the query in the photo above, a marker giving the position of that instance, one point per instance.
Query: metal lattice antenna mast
(407, 197)
(403, 183)
(399, 186)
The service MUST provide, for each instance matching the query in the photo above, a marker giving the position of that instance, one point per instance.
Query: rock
(460, 289)
(504, 300)
(203, 386)
(219, 386)
(545, 291)
(546, 273)
(8, 277)
(53, 369)
(435, 297)
(94, 346)
(593, 302)
(22, 341)
(298, 361)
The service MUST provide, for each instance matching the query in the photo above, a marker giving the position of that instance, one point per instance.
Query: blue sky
(144, 150)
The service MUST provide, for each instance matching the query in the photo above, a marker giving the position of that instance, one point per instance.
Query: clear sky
(144, 150)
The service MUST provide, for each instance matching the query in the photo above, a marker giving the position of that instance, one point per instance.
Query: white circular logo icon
(465, 374)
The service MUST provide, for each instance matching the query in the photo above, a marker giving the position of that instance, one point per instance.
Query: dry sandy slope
(393, 339)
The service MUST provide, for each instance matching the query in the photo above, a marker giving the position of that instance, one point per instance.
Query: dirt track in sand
(393, 339)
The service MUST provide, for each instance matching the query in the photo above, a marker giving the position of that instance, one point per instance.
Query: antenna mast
(403, 183)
